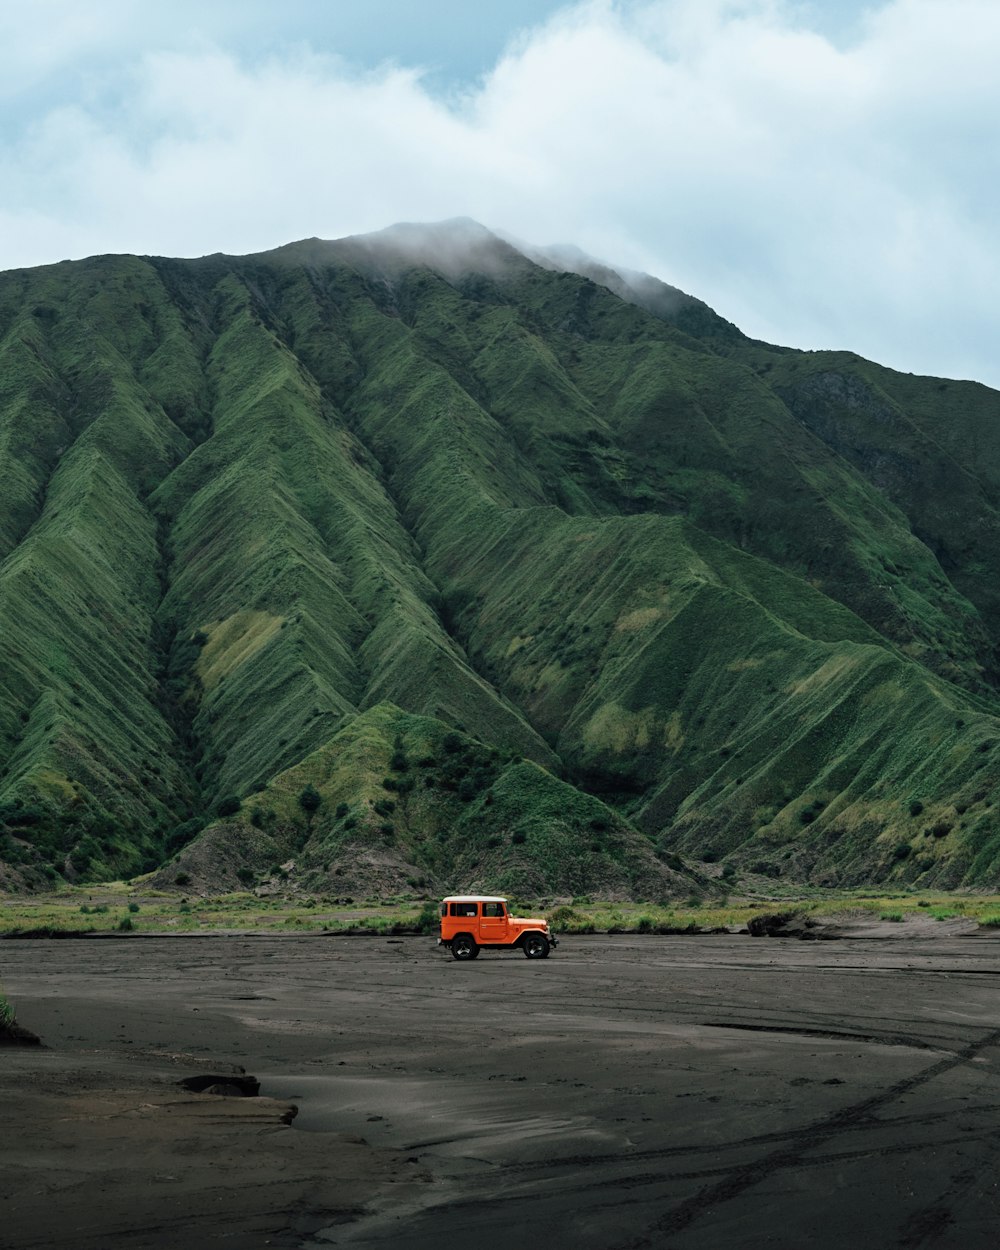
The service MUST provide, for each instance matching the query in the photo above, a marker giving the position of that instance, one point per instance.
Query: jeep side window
(493, 909)
(464, 909)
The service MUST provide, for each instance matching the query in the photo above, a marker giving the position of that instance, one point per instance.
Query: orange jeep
(471, 921)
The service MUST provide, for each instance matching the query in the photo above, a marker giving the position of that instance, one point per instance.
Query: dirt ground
(695, 1093)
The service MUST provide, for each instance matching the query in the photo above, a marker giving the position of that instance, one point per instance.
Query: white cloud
(820, 194)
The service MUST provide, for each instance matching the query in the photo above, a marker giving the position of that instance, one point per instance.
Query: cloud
(819, 191)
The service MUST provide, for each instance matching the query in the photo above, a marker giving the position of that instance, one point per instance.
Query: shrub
(310, 799)
(429, 919)
(895, 916)
(245, 875)
(182, 878)
(452, 743)
(398, 763)
(133, 908)
(341, 811)
(916, 807)
(902, 851)
(518, 837)
(228, 806)
(126, 924)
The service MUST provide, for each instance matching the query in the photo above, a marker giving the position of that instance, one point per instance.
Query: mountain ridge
(253, 499)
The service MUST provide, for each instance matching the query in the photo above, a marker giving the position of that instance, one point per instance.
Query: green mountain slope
(664, 590)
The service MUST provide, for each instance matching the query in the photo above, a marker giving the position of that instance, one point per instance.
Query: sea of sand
(689, 1092)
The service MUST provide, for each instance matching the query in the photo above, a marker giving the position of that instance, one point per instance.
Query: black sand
(697, 1093)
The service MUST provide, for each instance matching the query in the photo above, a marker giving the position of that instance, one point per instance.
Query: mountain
(422, 556)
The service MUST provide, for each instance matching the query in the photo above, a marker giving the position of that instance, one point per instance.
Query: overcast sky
(824, 174)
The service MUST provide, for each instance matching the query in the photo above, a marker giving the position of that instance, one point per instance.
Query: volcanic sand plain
(630, 1091)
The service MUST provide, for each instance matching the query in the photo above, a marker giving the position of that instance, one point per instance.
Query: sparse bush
(133, 908)
(429, 919)
(182, 878)
(671, 859)
(310, 799)
(895, 916)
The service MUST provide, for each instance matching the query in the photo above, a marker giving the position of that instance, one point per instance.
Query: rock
(225, 1085)
(783, 924)
(16, 1035)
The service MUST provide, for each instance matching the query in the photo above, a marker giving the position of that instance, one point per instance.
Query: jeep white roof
(474, 898)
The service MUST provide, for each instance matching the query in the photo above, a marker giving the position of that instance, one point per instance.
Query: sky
(824, 173)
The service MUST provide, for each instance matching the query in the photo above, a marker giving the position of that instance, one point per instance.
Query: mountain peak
(453, 248)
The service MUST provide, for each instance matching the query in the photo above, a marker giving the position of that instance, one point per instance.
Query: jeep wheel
(464, 946)
(536, 946)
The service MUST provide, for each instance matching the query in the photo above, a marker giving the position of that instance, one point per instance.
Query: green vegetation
(323, 570)
(410, 912)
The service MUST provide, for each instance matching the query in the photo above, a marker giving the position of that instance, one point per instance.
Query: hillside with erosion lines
(417, 559)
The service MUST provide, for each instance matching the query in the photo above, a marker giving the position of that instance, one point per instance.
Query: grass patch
(59, 914)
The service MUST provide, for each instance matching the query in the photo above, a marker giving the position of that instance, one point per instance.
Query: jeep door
(493, 928)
